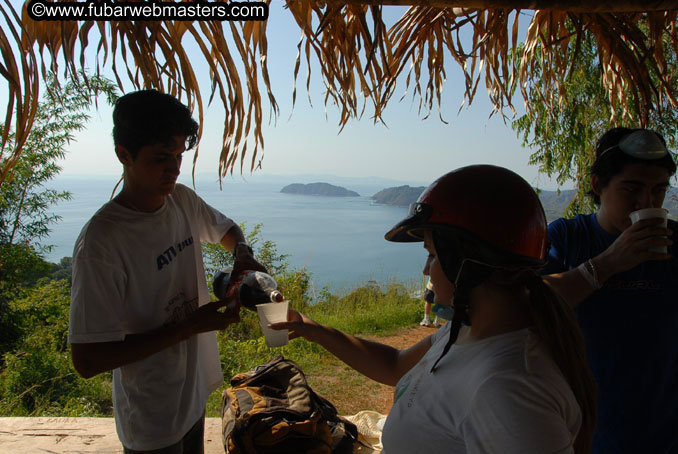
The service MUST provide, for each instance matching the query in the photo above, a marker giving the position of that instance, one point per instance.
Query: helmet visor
(409, 229)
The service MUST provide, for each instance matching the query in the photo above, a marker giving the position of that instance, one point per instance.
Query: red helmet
(493, 204)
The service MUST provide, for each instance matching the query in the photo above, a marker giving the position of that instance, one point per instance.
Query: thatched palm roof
(362, 60)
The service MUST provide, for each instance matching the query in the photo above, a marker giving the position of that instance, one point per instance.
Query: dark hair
(610, 160)
(148, 117)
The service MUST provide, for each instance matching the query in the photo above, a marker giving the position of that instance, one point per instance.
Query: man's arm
(233, 236)
(572, 286)
(90, 359)
(380, 362)
(630, 249)
(244, 260)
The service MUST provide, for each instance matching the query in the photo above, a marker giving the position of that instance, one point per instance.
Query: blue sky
(306, 140)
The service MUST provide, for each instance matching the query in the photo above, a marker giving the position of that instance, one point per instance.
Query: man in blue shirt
(626, 296)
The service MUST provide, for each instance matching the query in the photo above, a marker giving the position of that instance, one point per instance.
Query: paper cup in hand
(273, 313)
(651, 213)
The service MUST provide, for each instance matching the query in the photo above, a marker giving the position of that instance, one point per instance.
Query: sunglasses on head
(641, 144)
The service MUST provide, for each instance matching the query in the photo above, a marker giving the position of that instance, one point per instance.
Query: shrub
(38, 378)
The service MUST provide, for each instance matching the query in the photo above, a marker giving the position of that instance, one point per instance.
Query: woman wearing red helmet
(508, 374)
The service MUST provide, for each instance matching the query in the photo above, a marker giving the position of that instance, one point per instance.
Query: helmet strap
(462, 299)
(454, 333)
(467, 273)
(461, 314)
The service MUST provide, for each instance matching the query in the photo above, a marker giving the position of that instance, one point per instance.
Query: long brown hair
(556, 324)
(469, 261)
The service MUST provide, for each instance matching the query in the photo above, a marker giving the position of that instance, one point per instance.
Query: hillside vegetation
(37, 377)
(398, 196)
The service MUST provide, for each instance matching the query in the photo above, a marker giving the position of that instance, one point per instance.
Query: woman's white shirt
(503, 394)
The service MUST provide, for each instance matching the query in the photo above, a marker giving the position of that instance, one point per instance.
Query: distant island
(555, 203)
(400, 196)
(324, 189)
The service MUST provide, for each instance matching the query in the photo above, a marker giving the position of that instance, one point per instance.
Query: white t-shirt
(502, 394)
(134, 272)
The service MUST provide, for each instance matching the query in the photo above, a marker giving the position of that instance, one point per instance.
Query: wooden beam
(577, 6)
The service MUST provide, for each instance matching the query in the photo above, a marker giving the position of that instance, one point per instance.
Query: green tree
(563, 139)
(216, 258)
(25, 202)
(62, 270)
(39, 379)
(18, 264)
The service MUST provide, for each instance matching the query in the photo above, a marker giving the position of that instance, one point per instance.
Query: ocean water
(340, 240)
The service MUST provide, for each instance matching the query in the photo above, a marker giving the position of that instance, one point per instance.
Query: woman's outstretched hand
(299, 326)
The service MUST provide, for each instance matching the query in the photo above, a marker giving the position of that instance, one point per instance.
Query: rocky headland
(323, 189)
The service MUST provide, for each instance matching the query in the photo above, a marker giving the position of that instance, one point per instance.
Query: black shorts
(429, 296)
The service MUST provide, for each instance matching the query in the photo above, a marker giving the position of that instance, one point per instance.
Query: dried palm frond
(636, 49)
(581, 6)
(19, 69)
(360, 59)
(636, 54)
(152, 55)
(346, 49)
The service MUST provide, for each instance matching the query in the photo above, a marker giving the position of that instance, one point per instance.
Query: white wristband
(591, 278)
(596, 281)
(586, 274)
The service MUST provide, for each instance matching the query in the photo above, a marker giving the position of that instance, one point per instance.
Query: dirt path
(403, 339)
(350, 392)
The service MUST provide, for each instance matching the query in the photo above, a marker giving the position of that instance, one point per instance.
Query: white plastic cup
(273, 313)
(651, 213)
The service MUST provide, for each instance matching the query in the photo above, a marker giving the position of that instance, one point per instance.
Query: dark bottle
(250, 288)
